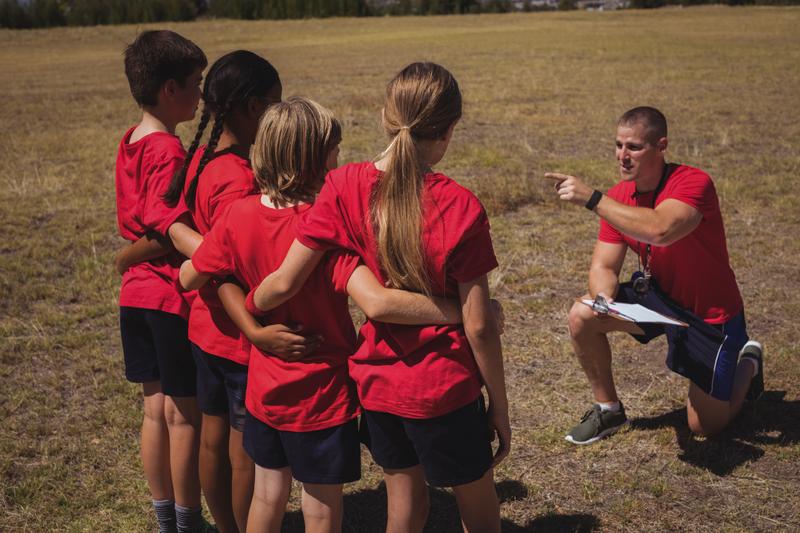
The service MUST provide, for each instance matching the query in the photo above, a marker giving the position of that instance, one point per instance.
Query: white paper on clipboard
(637, 313)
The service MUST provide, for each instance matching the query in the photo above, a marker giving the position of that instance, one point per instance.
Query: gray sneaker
(596, 424)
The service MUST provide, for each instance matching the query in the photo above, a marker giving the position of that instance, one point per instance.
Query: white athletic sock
(609, 406)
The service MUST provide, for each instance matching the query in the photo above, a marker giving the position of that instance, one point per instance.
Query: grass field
(542, 92)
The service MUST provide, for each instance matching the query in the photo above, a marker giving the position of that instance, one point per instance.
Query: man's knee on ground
(708, 425)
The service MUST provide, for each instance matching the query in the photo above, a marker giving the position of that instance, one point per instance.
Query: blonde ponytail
(422, 102)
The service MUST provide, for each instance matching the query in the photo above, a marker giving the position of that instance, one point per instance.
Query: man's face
(638, 157)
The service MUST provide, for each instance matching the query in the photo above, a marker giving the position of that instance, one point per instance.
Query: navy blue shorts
(705, 353)
(156, 348)
(454, 449)
(221, 386)
(325, 457)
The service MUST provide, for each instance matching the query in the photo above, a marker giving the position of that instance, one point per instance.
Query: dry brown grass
(542, 91)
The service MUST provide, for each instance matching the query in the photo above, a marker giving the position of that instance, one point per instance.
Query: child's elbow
(375, 310)
(481, 328)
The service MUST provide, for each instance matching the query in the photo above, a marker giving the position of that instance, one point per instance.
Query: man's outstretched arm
(669, 222)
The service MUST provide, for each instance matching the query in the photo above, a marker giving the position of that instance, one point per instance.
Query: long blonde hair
(422, 102)
(291, 148)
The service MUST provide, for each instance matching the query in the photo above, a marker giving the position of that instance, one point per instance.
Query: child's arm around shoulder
(290, 277)
(398, 306)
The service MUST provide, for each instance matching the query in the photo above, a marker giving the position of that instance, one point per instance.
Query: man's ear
(662, 144)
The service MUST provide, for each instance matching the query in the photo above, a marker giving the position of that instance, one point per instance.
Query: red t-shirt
(143, 172)
(226, 177)
(250, 241)
(694, 271)
(409, 371)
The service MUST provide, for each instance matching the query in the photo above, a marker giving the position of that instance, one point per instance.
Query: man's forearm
(603, 280)
(640, 223)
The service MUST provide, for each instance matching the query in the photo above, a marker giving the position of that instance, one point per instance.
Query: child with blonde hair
(301, 417)
(424, 417)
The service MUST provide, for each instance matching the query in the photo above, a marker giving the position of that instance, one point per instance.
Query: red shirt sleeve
(340, 267)
(473, 256)
(156, 214)
(609, 233)
(696, 189)
(214, 256)
(250, 305)
(323, 228)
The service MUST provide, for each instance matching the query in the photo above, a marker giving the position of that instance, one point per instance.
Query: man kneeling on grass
(669, 215)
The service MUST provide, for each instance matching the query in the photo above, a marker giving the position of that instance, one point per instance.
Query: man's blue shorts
(705, 353)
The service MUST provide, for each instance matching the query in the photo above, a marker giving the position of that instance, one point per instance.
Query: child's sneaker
(596, 424)
(753, 350)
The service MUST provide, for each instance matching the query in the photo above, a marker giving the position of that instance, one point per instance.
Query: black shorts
(454, 449)
(156, 348)
(327, 456)
(706, 354)
(221, 386)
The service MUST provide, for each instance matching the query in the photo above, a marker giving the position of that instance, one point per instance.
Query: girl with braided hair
(423, 412)
(238, 89)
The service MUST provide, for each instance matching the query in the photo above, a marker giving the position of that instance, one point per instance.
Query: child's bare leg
(408, 500)
(242, 480)
(155, 448)
(183, 423)
(215, 471)
(270, 496)
(478, 505)
(322, 508)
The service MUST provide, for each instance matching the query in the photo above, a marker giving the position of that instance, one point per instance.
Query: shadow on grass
(365, 511)
(772, 421)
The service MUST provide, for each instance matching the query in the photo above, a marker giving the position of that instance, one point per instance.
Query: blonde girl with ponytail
(420, 387)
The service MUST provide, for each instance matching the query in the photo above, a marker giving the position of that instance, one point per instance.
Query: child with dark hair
(164, 71)
(239, 87)
(301, 414)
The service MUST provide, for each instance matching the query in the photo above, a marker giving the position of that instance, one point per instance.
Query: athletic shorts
(706, 354)
(221, 386)
(454, 449)
(156, 348)
(327, 456)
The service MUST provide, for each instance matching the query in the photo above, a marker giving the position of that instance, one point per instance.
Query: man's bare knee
(580, 319)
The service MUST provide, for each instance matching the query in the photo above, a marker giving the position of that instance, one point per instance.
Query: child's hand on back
(290, 344)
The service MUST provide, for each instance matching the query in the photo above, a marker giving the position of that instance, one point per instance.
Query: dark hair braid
(178, 181)
(230, 81)
(216, 131)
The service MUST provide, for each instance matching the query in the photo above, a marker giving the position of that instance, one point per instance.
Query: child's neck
(229, 138)
(152, 122)
(267, 201)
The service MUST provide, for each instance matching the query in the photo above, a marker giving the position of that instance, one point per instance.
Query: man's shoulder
(688, 173)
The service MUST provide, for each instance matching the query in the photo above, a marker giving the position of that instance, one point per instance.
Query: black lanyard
(644, 263)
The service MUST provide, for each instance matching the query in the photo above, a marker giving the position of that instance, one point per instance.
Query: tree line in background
(49, 13)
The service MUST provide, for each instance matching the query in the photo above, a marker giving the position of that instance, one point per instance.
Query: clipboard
(635, 313)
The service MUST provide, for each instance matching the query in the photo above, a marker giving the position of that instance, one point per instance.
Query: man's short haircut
(158, 56)
(653, 120)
